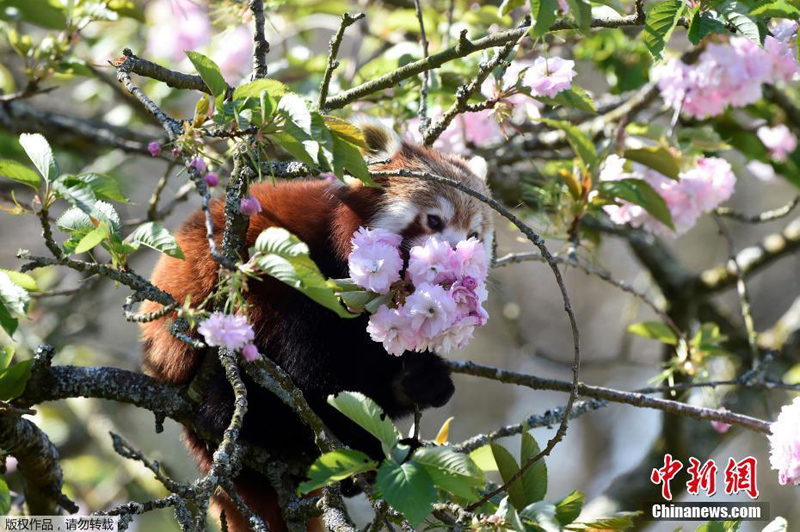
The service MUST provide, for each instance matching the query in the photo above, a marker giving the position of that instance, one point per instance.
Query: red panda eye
(474, 235)
(435, 222)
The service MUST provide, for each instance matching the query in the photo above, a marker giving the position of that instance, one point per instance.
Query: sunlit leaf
(408, 488)
(661, 21)
(285, 257)
(155, 236)
(20, 173)
(14, 379)
(641, 193)
(654, 330)
(335, 466)
(209, 71)
(368, 415)
(40, 153)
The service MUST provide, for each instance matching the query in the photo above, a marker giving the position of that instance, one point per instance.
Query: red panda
(323, 353)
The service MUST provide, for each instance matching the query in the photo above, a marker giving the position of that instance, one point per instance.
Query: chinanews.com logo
(738, 477)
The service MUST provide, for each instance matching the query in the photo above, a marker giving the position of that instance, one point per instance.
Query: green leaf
(296, 111)
(13, 296)
(735, 13)
(335, 466)
(775, 9)
(44, 13)
(8, 322)
(534, 480)
(20, 173)
(14, 379)
(581, 11)
(543, 514)
(658, 158)
(778, 524)
(275, 88)
(451, 471)
(22, 279)
(719, 526)
(76, 192)
(619, 521)
(510, 516)
(639, 192)
(569, 508)
(508, 467)
(580, 143)
(408, 488)
(5, 497)
(575, 98)
(127, 8)
(210, 73)
(102, 186)
(654, 330)
(348, 157)
(508, 6)
(544, 13)
(155, 236)
(285, 257)
(92, 239)
(660, 23)
(6, 354)
(40, 153)
(703, 24)
(346, 131)
(368, 415)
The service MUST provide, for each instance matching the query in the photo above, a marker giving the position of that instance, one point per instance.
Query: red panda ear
(479, 167)
(382, 141)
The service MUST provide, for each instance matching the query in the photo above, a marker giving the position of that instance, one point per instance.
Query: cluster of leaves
(89, 222)
(691, 355)
(281, 118)
(413, 477)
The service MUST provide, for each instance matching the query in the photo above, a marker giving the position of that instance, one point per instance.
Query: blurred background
(603, 453)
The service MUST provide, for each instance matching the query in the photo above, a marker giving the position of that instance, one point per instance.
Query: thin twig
(615, 396)
(333, 64)
(261, 46)
(426, 75)
(766, 216)
(744, 297)
(464, 92)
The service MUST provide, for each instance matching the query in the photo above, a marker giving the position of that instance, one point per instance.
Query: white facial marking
(479, 167)
(396, 216)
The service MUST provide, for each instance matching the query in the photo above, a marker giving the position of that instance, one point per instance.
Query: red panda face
(418, 209)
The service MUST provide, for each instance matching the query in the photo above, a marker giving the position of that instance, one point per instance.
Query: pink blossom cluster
(779, 141)
(231, 332)
(441, 301)
(180, 25)
(784, 442)
(727, 74)
(545, 76)
(703, 188)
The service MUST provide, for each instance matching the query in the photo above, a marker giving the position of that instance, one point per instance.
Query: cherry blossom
(224, 330)
(375, 266)
(779, 140)
(249, 206)
(549, 76)
(211, 179)
(392, 328)
(785, 444)
(432, 262)
(154, 148)
(702, 188)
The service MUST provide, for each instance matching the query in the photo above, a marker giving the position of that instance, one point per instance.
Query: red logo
(740, 476)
